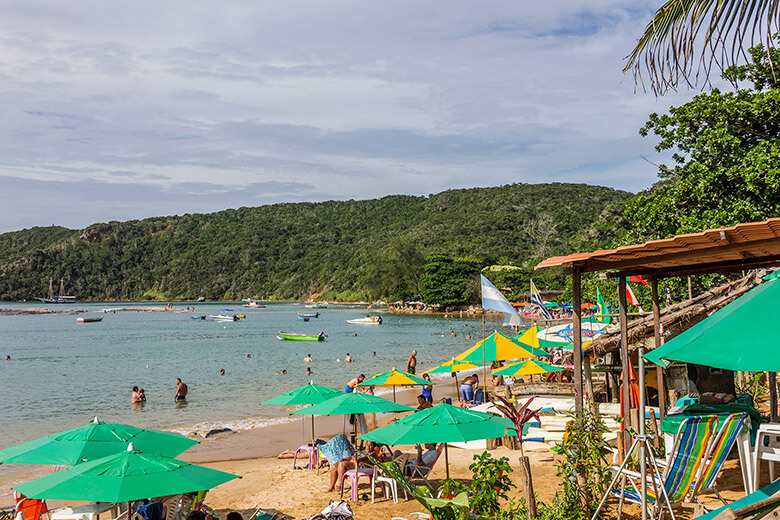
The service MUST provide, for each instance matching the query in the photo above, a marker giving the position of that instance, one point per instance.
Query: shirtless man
(134, 398)
(353, 383)
(181, 391)
(307, 359)
(411, 363)
(349, 359)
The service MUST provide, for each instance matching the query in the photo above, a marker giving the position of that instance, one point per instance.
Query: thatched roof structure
(675, 318)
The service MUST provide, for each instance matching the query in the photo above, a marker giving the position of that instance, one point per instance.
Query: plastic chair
(768, 432)
(354, 476)
(734, 429)
(30, 508)
(311, 451)
(386, 483)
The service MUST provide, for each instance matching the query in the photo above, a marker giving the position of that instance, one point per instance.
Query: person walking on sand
(353, 383)
(411, 363)
(181, 391)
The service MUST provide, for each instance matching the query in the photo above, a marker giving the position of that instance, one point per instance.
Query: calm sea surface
(63, 373)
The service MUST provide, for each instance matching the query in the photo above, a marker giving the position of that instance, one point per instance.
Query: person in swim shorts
(353, 383)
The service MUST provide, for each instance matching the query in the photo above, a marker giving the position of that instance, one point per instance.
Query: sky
(125, 110)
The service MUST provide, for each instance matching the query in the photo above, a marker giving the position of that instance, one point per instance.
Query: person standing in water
(181, 391)
(411, 363)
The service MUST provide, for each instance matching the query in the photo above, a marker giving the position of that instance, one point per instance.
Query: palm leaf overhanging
(518, 416)
(717, 29)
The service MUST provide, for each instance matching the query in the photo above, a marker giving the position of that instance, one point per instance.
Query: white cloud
(349, 99)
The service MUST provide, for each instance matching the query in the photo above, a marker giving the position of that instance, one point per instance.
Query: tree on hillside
(686, 38)
(727, 158)
(450, 281)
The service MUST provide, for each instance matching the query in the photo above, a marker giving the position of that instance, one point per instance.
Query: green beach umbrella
(309, 394)
(453, 367)
(124, 477)
(495, 347)
(354, 403)
(530, 338)
(395, 378)
(93, 441)
(442, 423)
(740, 336)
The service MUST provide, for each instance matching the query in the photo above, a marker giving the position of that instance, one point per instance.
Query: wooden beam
(772, 381)
(577, 331)
(659, 371)
(759, 246)
(705, 268)
(624, 356)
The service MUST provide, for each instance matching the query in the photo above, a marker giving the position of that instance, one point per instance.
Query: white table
(85, 512)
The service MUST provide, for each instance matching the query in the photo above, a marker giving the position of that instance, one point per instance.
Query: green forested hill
(349, 249)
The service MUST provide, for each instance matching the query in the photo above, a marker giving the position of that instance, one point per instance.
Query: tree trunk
(528, 487)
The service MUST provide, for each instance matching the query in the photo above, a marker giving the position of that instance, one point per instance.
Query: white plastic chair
(386, 482)
(770, 453)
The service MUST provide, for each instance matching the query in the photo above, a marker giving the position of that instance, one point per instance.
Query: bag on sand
(335, 511)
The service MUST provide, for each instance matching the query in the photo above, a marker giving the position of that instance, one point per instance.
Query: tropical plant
(685, 38)
(488, 487)
(754, 386)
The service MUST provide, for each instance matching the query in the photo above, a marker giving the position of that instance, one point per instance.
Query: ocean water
(63, 373)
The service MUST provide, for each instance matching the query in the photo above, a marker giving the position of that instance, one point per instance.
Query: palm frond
(518, 416)
(687, 38)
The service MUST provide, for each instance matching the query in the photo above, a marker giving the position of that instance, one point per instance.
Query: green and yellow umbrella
(530, 338)
(395, 378)
(530, 367)
(495, 347)
(452, 367)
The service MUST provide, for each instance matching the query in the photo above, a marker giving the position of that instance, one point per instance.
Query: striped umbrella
(395, 378)
(530, 338)
(527, 368)
(496, 347)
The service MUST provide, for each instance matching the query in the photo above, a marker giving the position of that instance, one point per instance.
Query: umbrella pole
(394, 394)
(446, 460)
(484, 369)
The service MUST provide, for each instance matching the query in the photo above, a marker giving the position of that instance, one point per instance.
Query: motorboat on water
(254, 304)
(368, 320)
(308, 314)
(224, 317)
(89, 320)
(301, 337)
(62, 298)
(201, 299)
(318, 305)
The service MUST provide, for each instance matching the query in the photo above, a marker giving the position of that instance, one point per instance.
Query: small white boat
(89, 320)
(254, 304)
(223, 317)
(368, 320)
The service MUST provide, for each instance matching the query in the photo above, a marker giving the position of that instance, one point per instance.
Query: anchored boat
(301, 337)
(368, 320)
(89, 320)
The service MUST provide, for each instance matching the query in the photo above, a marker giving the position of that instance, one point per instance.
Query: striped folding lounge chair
(721, 447)
(691, 446)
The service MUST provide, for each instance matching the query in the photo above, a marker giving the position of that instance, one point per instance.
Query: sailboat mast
(62, 287)
(51, 289)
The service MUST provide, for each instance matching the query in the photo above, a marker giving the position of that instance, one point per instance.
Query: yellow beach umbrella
(395, 378)
(527, 368)
(495, 347)
(452, 367)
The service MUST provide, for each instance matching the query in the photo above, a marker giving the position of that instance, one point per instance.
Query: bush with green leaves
(489, 485)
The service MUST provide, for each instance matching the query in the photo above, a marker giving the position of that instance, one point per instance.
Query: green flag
(602, 305)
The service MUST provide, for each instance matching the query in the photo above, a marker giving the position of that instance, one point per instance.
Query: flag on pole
(633, 299)
(602, 305)
(493, 300)
(638, 278)
(536, 299)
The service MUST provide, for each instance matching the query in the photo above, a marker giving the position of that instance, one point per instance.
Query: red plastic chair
(31, 508)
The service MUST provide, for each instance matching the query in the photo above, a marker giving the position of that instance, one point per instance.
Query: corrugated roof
(744, 246)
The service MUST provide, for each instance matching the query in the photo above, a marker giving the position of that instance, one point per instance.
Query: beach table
(84, 512)
(670, 425)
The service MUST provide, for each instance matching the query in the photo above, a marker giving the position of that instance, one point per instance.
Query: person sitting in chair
(420, 465)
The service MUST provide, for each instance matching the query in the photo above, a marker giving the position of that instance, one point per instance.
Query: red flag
(633, 299)
(638, 278)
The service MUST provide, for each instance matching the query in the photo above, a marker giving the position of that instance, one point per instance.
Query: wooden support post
(659, 371)
(624, 355)
(528, 487)
(772, 383)
(577, 331)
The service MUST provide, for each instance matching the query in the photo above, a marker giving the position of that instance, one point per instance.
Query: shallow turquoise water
(63, 373)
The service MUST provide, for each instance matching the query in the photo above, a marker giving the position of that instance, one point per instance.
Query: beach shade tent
(496, 347)
(395, 378)
(740, 336)
(124, 477)
(527, 368)
(308, 394)
(530, 338)
(453, 367)
(442, 423)
(93, 441)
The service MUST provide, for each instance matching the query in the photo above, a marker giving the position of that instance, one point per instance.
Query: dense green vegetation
(346, 250)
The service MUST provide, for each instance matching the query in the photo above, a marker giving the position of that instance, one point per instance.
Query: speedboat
(301, 337)
(308, 314)
(223, 317)
(254, 304)
(368, 320)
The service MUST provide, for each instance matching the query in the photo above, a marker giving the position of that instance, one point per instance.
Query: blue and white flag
(536, 299)
(493, 300)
